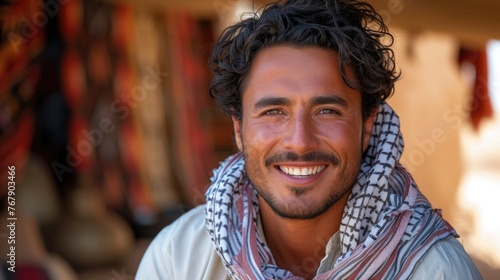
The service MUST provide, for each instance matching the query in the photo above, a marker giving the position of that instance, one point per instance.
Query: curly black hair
(354, 30)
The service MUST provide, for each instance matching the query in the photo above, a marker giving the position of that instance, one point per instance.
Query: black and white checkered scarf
(387, 225)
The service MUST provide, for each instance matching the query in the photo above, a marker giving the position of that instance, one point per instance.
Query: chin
(300, 208)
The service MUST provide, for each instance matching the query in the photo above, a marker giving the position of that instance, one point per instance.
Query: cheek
(347, 134)
(345, 139)
(260, 135)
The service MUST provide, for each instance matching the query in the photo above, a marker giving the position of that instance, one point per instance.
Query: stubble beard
(296, 212)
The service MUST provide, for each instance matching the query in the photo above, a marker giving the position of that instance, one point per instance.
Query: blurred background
(105, 114)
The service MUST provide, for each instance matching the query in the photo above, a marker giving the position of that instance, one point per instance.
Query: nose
(301, 135)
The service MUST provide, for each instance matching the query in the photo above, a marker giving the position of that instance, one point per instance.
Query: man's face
(301, 131)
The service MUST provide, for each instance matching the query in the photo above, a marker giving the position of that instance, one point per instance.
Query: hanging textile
(189, 113)
(480, 104)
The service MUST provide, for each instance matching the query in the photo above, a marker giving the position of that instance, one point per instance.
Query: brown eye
(329, 112)
(273, 112)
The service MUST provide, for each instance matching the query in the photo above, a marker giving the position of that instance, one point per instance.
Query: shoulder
(182, 250)
(190, 225)
(447, 259)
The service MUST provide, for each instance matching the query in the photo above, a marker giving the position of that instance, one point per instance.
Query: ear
(237, 132)
(368, 128)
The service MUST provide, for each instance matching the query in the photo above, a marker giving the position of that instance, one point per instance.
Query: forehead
(296, 73)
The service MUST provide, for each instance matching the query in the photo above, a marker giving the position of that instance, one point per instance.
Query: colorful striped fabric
(387, 225)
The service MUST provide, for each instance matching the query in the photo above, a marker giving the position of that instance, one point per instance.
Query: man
(317, 191)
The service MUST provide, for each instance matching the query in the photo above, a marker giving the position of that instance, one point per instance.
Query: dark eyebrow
(271, 101)
(321, 100)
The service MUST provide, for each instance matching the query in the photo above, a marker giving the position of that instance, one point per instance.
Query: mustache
(315, 156)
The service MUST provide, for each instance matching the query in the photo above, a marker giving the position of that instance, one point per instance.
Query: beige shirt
(184, 250)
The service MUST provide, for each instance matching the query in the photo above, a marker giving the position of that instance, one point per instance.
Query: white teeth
(304, 171)
(284, 169)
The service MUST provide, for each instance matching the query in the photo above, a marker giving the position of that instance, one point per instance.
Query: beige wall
(446, 157)
(429, 100)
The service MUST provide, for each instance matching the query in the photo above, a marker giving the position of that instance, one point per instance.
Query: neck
(299, 245)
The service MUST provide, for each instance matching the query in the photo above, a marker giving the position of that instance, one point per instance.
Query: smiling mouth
(301, 171)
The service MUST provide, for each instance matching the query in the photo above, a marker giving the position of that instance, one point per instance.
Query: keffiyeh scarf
(386, 228)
